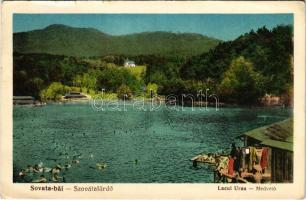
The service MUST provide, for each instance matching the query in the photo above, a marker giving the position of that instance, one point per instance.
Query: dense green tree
(241, 83)
(124, 92)
(112, 77)
(54, 91)
(151, 88)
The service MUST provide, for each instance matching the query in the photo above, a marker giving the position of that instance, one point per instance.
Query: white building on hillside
(129, 63)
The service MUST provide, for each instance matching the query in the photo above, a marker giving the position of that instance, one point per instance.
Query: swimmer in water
(67, 166)
(22, 174)
(38, 169)
(29, 170)
(41, 179)
(75, 160)
(55, 173)
(101, 165)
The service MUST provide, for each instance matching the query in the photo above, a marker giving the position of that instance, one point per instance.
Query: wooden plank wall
(282, 166)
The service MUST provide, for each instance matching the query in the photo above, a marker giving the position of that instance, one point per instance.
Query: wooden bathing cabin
(75, 95)
(267, 153)
(278, 137)
(23, 100)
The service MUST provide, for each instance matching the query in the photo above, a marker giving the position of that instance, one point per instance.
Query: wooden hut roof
(278, 135)
(23, 98)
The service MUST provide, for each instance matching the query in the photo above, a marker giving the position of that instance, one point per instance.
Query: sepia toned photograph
(109, 101)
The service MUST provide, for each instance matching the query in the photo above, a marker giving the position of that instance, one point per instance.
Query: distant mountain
(65, 40)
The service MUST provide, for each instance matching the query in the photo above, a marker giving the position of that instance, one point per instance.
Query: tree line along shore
(256, 67)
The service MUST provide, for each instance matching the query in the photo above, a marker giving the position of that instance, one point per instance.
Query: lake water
(162, 142)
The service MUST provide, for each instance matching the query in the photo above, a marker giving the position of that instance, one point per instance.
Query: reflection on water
(137, 146)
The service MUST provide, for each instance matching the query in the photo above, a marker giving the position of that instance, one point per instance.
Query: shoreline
(196, 104)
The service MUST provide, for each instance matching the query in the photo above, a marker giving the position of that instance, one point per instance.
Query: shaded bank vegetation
(239, 71)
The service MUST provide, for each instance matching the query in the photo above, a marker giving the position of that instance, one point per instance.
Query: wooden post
(194, 163)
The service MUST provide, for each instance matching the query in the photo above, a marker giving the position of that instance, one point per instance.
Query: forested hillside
(84, 42)
(240, 71)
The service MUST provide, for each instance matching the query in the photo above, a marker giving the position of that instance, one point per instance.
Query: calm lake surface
(161, 141)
